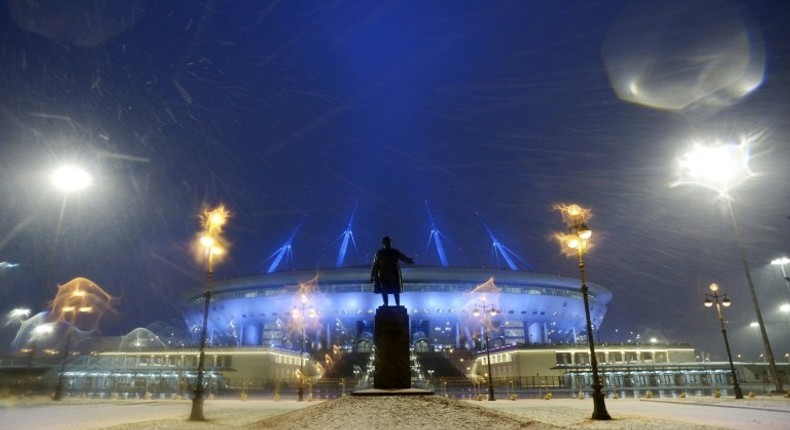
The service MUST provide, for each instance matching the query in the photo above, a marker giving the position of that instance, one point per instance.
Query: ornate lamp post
(721, 300)
(300, 313)
(210, 242)
(576, 242)
(720, 168)
(485, 311)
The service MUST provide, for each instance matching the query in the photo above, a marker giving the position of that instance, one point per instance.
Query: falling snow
(299, 112)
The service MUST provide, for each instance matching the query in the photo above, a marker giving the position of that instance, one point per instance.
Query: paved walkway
(764, 414)
(85, 414)
(767, 414)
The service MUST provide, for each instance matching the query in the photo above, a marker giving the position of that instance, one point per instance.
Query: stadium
(335, 307)
(272, 332)
(267, 310)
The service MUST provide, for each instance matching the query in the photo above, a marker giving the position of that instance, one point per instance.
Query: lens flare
(692, 57)
(81, 303)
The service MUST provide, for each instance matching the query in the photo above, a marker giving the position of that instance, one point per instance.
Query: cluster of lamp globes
(493, 312)
(726, 302)
(575, 218)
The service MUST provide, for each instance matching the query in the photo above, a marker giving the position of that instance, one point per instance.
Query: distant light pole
(68, 179)
(781, 262)
(485, 311)
(576, 241)
(77, 304)
(210, 242)
(300, 313)
(721, 167)
(721, 300)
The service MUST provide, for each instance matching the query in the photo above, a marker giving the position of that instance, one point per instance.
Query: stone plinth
(391, 336)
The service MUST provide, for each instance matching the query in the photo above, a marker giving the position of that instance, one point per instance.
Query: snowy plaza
(399, 412)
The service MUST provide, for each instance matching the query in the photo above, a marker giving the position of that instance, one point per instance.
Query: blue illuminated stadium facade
(534, 308)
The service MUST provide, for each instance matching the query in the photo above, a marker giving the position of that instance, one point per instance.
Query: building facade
(272, 309)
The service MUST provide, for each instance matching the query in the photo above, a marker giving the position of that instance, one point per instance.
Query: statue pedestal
(391, 335)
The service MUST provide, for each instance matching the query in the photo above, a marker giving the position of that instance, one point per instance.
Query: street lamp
(67, 179)
(300, 313)
(576, 241)
(721, 300)
(722, 167)
(485, 311)
(781, 262)
(211, 244)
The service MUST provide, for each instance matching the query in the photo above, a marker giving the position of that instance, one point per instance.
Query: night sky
(293, 112)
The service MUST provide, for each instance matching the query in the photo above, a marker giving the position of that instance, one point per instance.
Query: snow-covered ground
(399, 412)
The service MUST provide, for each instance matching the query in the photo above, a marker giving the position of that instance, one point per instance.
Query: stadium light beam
(348, 235)
(436, 236)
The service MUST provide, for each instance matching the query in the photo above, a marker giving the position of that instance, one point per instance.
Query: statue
(385, 274)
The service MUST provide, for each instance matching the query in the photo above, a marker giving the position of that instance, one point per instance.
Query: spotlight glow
(71, 178)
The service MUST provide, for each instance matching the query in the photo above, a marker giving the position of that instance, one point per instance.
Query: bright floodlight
(781, 261)
(785, 307)
(754, 324)
(720, 166)
(714, 287)
(71, 178)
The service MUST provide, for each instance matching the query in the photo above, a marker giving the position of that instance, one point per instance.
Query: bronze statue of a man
(385, 274)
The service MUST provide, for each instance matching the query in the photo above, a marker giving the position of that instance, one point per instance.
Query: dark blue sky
(489, 111)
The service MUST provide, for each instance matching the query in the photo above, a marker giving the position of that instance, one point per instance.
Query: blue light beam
(285, 251)
(347, 235)
(436, 236)
(502, 250)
